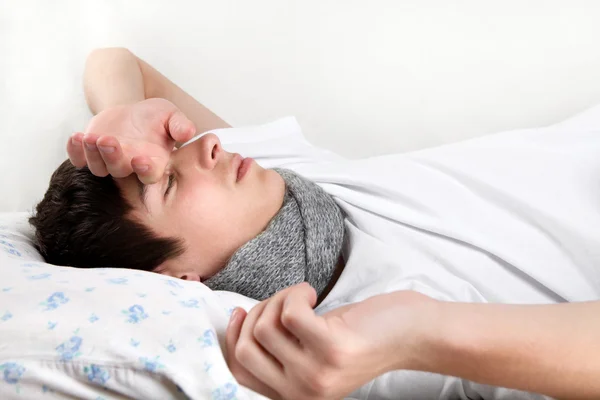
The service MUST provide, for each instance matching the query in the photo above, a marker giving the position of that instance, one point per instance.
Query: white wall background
(362, 77)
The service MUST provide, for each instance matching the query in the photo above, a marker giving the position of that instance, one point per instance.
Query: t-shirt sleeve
(276, 144)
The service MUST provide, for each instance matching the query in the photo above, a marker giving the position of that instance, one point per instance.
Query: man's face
(201, 200)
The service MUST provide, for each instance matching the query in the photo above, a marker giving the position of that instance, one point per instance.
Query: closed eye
(170, 184)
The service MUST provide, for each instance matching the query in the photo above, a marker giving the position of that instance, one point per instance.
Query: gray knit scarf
(303, 242)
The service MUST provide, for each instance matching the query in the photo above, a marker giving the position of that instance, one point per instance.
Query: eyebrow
(142, 189)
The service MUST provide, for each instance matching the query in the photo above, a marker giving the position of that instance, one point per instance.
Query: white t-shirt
(512, 217)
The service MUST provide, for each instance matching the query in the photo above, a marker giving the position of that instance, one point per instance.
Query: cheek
(213, 222)
(208, 212)
(208, 207)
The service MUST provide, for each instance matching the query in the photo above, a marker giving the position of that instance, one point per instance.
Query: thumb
(180, 128)
(148, 169)
(233, 334)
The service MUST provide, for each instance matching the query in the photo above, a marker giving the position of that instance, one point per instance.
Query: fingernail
(106, 149)
(234, 316)
(141, 167)
(90, 146)
(76, 140)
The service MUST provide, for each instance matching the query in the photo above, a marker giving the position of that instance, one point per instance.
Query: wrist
(438, 343)
(417, 334)
(460, 339)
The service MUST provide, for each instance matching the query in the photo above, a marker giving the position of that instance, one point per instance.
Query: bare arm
(548, 349)
(139, 118)
(116, 76)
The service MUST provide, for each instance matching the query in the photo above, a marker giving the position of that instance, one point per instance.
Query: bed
(109, 334)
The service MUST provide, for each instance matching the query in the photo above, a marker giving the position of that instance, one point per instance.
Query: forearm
(549, 349)
(116, 76)
(157, 85)
(112, 77)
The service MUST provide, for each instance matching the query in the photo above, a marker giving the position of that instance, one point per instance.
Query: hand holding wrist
(400, 326)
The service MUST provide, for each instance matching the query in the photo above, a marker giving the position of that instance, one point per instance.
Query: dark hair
(83, 222)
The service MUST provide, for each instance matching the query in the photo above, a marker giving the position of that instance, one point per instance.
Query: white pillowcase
(106, 333)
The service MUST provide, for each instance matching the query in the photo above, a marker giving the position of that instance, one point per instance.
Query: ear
(170, 268)
(189, 276)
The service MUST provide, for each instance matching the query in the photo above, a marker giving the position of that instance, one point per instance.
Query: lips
(241, 166)
(244, 168)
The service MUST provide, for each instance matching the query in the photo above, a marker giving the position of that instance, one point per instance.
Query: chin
(275, 189)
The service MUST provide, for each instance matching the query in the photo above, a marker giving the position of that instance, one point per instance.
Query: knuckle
(235, 367)
(337, 356)
(261, 331)
(240, 376)
(287, 318)
(243, 352)
(319, 384)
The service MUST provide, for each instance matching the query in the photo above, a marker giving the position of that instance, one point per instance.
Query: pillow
(107, 333)
(82, 333)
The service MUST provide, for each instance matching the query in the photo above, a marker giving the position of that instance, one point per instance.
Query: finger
(148, 169)
(75, 150)
(252, 355)
(180, 127)
(239, 372)
(247, 331)
(274, 337)
(93, 158)
(233, 333)
(111, 152)
(298, 317)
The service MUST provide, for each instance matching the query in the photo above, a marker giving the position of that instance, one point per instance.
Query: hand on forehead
(136, 138)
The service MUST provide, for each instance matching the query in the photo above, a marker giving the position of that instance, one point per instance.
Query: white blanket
(511, 217)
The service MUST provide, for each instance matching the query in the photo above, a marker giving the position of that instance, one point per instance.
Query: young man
(428, 239)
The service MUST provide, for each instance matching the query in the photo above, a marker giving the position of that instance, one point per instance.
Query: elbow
(103, 54)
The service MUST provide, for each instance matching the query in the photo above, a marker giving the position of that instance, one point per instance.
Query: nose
(210, 150)
(205, 152)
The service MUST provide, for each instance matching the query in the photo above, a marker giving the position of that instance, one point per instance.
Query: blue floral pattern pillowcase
(107, 333)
